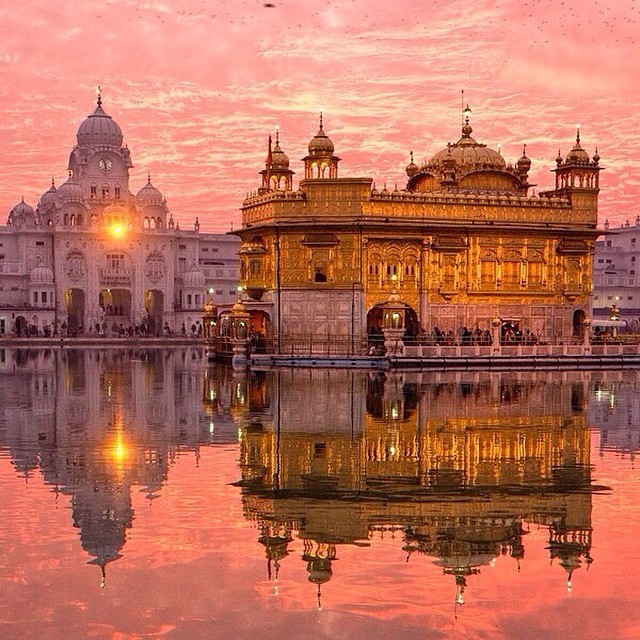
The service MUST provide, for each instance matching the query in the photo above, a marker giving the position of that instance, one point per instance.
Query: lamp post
(586, 335)
(614, 314)
(393, 325)
(209, 322)
(496, 325)
(239, 334)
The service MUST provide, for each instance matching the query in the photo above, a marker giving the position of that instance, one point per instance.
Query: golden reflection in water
(461, 470)
(453, 470)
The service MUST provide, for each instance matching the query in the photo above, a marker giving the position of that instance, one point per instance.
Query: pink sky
(197, 85)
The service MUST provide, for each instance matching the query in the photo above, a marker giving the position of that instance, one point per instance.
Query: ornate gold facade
(462, 243)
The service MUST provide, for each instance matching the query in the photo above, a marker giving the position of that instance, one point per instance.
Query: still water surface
(148, 494)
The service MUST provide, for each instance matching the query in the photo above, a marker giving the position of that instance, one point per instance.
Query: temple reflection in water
(99, 424)
(461, 465)
(458, 466)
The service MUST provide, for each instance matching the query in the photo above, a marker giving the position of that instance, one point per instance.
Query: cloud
(196, 90)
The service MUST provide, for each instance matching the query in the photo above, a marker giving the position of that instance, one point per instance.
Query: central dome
(99, 129)
(468, 152)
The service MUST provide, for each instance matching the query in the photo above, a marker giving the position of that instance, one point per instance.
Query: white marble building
(616, 274)
(93, 257)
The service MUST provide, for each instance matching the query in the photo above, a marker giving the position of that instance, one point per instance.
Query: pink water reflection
(192, 564)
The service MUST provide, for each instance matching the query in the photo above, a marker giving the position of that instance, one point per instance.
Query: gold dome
(468, 153)
(321, 144)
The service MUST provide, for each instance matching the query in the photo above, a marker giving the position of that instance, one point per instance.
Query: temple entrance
(115, 304)
(74, 300)
(579, 317)
(260, 330)
(22, 328)
(154, 305)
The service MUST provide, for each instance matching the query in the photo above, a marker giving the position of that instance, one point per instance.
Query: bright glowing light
(117, 230)
(119, 451)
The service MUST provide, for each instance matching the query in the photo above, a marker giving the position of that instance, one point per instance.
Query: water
(147, 494)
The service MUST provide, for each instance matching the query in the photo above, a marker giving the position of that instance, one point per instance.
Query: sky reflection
(428, 505)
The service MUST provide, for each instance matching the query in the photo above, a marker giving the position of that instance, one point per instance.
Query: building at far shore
(616, 275)
(465, 243)
(92, 257)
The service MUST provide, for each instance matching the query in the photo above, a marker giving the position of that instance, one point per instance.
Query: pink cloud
(197, 88)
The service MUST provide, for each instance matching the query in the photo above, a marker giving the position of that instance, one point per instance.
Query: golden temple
(464, 242)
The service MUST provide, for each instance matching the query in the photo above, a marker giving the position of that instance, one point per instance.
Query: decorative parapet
(353, 202)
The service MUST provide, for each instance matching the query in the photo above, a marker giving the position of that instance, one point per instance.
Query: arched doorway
(22, 328)
(260, 329)
(578, 326)
(116, 304)
(74, 300)
(154, 304)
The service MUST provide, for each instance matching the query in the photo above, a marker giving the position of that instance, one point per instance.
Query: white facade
(92, 257)
(616, 276)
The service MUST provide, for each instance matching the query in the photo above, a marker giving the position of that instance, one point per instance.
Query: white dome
(41, 274)
(48, 197)
(149, 195)
(194, 277)
(70, 191)
(22, 214)
(23, 209)
(99, 129)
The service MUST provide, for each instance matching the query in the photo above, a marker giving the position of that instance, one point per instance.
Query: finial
(578, 134)
(277, 134)
(321, 116)
(524, 150)
(466, 113)
(411, 156)
(53, 182)
(70, 174)
(149, 177)
(99, 93)
(499, 148)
